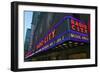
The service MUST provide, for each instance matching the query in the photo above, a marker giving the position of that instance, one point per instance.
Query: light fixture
(64, 44)
(76, 43)
(70, 42)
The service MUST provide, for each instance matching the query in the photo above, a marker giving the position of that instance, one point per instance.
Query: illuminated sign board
(50, 36)
(78, 31)
(68, 28)
(79, 26)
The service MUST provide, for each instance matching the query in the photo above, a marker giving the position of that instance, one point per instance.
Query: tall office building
(35, 19)
(27, 40)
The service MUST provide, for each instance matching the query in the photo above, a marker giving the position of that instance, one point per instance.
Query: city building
(34, 24)
(60, 36)
(27, 41)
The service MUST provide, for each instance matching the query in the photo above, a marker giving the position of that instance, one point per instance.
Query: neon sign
(77, 36)
(46, 39)
(78, 26)
(77, 31)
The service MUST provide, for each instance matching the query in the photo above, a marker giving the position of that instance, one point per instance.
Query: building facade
(50, 31)
(27, 41)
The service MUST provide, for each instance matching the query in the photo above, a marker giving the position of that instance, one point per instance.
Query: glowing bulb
(64, 44)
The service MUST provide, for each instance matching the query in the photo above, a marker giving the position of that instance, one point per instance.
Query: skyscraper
(34, 24)
(27, 40)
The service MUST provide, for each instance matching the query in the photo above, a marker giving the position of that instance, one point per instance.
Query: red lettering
(73, 27)
(78, 26)
(46, 39)
(72, 21)
(53, 34)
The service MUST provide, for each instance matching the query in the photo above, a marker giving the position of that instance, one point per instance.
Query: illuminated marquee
(46, 39)
(77, 31)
